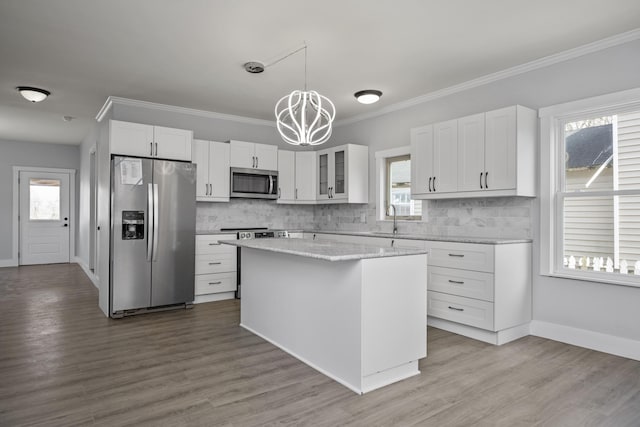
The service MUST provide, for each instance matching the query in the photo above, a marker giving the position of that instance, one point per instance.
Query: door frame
(16, 209)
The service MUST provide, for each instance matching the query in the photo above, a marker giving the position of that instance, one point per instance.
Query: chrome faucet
(395, 223)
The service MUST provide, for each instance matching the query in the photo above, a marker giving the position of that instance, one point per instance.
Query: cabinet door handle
(214, 283)
(215, 244)
(151, 148)
(481, 173)
(434, 183)
(430, 178)
(279, 192)
(156, 149)
(486, 177)
(296, 194)
(457, 255)
(211, 189)
(215, 263)
(257, 161)
(456, 308)
(457, 282)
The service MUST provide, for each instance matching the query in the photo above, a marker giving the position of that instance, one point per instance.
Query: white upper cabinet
(421, 160)
(212, 179)
(250, 155)
(471, 152)
(433, 159)
(135, 139)
(445, 155)
(305, 177)
(491, 154)
(343, 174)
(286, 176)
(296, 177)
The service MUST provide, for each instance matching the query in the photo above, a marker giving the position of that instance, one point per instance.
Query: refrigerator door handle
(155, 222)
(149, 221)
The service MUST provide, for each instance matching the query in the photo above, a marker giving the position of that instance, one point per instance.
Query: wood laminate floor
(63, 363)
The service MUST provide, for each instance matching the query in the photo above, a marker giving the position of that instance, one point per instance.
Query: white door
(201, 159)
(500, 149)
(266, 157)
(421, 160)
(44, 218)
(471, 153)
(445, 157)
(219, 175)
(286, 176)
(242, 155)
(172, 143)
(306, 176)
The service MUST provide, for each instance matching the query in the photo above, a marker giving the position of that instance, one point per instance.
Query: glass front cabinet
(343, 174)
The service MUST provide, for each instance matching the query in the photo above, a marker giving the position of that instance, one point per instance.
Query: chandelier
(304, 117)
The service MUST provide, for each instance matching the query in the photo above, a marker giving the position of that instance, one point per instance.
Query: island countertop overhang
(328, 251)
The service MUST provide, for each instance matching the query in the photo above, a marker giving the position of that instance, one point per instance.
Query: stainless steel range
(253, 233)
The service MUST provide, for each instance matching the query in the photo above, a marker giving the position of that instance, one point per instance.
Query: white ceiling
(190, 53)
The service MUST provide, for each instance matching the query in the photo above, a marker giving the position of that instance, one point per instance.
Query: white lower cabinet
(216, 268)
(480, 290)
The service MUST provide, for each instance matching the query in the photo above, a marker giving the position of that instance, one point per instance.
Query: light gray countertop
(408, 236)
(412, 236)
(329, 251)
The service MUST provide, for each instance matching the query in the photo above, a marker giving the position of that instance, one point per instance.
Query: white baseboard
(495, 338)
(8, 262)
(83, 265)
(588, 339)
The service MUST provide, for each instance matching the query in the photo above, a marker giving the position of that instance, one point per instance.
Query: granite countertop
(328, 251)
(408, 236)
(411, 236)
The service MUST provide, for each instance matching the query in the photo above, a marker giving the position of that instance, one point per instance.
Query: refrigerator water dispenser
(132, 225)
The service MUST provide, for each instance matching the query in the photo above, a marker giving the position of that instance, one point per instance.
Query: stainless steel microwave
(254, 183)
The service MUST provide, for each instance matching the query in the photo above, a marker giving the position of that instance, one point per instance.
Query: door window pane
(44, 199)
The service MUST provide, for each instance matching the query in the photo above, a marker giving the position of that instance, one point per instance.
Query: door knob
(65, 218)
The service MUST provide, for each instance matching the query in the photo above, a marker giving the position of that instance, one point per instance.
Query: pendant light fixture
(33, 94)
(304, 117)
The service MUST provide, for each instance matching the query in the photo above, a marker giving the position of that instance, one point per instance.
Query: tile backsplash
(504, 217)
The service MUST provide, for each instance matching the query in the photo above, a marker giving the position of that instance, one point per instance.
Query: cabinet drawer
(467, 256)
(215, 263)
(463, 310)
(464, 283)
(210, 244)
(213, 283)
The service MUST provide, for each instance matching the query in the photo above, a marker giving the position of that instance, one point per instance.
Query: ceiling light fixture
(33, 94)
(368, 96)
(304, 117)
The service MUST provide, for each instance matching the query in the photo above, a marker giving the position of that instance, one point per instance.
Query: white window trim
(381, 185)
(551, 174)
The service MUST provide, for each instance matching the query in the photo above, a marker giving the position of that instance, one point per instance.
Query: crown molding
(546, 61)
(114, 100)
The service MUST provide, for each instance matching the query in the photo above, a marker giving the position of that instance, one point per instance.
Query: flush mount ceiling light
(303, 117)
(33, 94)
(368, 96)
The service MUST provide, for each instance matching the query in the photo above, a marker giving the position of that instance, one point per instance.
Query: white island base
(360, 322)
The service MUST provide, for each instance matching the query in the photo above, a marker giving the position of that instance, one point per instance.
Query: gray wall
(596, 307)
(607, 309)
(28, 154)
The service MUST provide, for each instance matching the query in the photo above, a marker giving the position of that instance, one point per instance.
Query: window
(44, 199)
(394, 185)
(594, 193)
(398, 189)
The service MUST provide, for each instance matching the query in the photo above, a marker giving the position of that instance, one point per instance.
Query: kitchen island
(356, 313)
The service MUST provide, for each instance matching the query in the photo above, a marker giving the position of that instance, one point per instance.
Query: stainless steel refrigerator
(153, 211)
